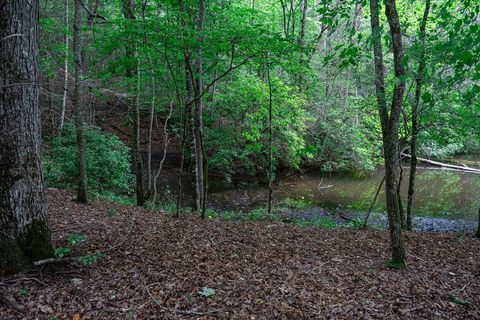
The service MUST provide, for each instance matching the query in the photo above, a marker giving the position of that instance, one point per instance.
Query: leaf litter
(159, 267)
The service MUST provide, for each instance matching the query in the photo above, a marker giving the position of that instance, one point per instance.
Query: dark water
(439, 193)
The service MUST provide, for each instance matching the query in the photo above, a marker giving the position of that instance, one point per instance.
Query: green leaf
(427, 97)
(61, 252)
(75, 239)
(207, 292)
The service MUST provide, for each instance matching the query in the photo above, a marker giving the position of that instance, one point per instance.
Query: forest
(246, 159)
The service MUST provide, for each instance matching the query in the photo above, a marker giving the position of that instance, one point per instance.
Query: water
(439, 193)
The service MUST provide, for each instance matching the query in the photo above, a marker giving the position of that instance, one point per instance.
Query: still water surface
(439, 193)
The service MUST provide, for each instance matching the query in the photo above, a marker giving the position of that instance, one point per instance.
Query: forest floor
(159, 267)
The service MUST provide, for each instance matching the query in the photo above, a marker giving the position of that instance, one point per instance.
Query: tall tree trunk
(390, 123)
(398, 251)
(132, 78)
(150, 137)
(78, 105)
(198, 116)
(65, 67)
(270, 142)
(303, 27)
(415, 117)
(24, 231)
(301, 42)
(187, 113)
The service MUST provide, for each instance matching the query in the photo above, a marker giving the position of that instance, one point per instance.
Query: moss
(398, 265)
(19, 254)
(12, 258)
(36, 243)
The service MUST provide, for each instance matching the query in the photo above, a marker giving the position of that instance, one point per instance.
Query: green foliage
(356, 223)
(295, 204)
(108, 162)
(242, 141)
(90, 259)
(207, 292)
(75, 239)
(23, 292)
(322, 223)
(60, 252)
(398, 265)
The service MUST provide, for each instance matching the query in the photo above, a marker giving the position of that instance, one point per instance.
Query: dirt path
(259, 270)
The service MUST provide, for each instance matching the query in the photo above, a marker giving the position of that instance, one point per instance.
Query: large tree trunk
(198, 118)
(415, 119)
(390, 123)
(78, 105)
(187, 113)
(132, 77)
(24, 232)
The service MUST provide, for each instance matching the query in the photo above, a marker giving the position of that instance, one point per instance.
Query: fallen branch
(28, 279)
(445, 165)
(55, 260)
(73, 259)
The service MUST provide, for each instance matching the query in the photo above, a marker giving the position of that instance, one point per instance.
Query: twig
(365, 221)
(9, 303)
(11, 36)
(178, 311)
(72, 259)
(401, 294)
(54, 260)
(28, 279)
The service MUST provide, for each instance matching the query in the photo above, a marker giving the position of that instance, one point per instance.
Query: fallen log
(444, 165)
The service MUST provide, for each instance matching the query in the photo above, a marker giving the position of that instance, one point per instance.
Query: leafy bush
(237, 133)
(108, 162)
(432, 149)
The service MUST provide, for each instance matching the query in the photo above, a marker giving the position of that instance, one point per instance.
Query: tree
(132, 75)
(78, 104)
(199, 149)
(65, 67)
(390, 119)
(24, 231)
(415, 116)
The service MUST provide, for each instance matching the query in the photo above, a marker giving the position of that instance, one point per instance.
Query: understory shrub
(108, 162)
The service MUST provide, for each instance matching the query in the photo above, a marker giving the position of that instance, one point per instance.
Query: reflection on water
(439, 193)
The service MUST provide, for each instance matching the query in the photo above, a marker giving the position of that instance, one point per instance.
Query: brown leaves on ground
(156, 265)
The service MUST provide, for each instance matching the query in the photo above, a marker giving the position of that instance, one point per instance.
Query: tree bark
(199, 152)
(24, 231)
(132, 77)
(150, 137)
(65, 67)
(390, 123)
(303, 27)
(392, 158)
(415, 119)
(78, 105)
(187, 113)
(270, 142)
